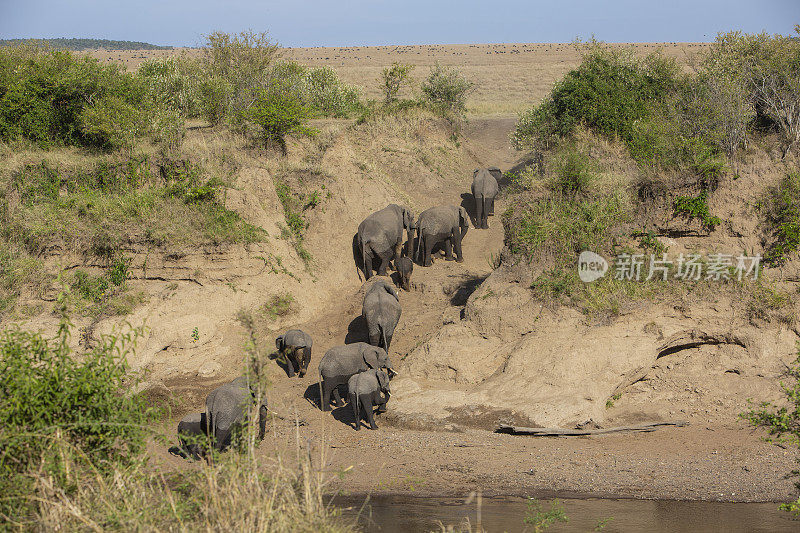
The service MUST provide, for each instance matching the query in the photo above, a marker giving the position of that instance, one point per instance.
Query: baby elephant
(404, 267)
(295, 345)
(366, 389)
(192, 434)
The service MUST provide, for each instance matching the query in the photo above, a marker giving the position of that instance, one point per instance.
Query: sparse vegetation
(540, 519)
(783, 420)
(783, 217)
(393, 78)
(696, 207)
(447, 88)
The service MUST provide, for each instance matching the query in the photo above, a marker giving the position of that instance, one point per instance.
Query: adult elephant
(381, 310)
(444, 223)
(227, 410)
(484, 190)
(295, 346)
(380, 236)
(341, 362)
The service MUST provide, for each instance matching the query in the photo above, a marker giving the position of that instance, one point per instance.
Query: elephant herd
(364, 367)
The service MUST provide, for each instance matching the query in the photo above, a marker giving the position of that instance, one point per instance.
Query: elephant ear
(279, 343)
(391, 291)
(370, 354)
(475, 172)
(383, 380)
(463, 216)
(495, 172)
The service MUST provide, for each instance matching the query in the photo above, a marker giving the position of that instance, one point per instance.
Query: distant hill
(85, 44)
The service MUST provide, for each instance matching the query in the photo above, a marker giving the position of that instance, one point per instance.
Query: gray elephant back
(227, 405)
(484, 184)
(385, 224)
(438, 219)
(363, 383)
(343, 360)
(380, 296)
(297, 338)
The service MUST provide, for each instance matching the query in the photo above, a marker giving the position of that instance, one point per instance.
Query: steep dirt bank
(472, 346)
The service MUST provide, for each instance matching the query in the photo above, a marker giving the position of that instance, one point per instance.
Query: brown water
(403, 514)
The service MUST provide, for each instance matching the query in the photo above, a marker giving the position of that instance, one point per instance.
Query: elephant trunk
(410, 243)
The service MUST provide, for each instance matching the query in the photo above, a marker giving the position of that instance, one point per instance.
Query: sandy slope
(456, 331)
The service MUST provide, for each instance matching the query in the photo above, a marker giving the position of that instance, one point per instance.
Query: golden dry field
(509, 78)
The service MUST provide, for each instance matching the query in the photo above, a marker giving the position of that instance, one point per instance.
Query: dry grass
(509, 78)
(239, 491)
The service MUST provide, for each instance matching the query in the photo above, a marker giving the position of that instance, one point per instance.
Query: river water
(411, 514)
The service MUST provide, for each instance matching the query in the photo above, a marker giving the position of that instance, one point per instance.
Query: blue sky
(375, 22)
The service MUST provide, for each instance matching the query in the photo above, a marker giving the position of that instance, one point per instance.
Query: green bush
(783, 218)
(559, 228)
(574, 171)
(696, 207)
(280, 111)
(50, 394)
(447, 88)
(393, 78)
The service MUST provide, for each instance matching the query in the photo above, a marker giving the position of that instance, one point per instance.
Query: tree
(393, 78)
(280, 111)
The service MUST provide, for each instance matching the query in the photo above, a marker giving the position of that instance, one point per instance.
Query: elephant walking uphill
(295, 346)
(445, 223)
(381, 311)
(484, 190)
(227, 410)
(380, 237)
(341, 362)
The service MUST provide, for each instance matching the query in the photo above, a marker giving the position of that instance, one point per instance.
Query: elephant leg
(262, 422)
(366, 402)
(291, 357)
(383, 400)
(491, 207)
(448, 249)
(485, 219)
(337, 397)
(374, 335)
(356, 410)
(398, 252)
(385, 258)
(457, 245)
(428, 250)
(478, 211)
(325, 400)
(305, 361)
(388, 342)
(367, 263)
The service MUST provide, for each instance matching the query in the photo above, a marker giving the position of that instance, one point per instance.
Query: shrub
(574, 171)
(696, 207)
(782, 420)
(49, 394)
(445, 87)
(280, 111)
(111, 122)
(559, 228)
(393, 78)
(783, 218)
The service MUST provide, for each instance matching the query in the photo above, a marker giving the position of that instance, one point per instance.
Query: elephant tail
(383, 338)
(357, 248)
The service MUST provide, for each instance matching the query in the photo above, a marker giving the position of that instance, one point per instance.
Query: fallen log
(559, 432)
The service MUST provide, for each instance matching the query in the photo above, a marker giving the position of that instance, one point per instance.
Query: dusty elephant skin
(484, 190)
(381, 311)
(295, 345)
(443, 224)
(227, 409)
(405, 267)
(367, 389)
(380, 237)
(341, 362)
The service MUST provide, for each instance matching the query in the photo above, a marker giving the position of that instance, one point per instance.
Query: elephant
(381, 235)
(366, 389)
(192, 434)
(484, 190)
(443, 223)
(227, 409)
(381, 310)
(341, 362)
(405, 267)
(295, 345)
